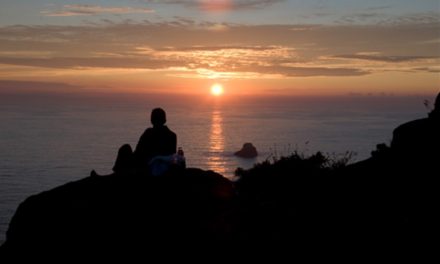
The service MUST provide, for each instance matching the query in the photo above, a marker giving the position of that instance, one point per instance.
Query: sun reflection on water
(216, 160)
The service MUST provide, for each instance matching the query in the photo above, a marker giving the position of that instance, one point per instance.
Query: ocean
(49, 140)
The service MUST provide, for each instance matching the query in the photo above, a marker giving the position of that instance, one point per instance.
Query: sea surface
(49, 140)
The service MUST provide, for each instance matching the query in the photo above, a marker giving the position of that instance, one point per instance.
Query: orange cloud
(183, 48)
(87, 10)
(215, 5)
(220, 5)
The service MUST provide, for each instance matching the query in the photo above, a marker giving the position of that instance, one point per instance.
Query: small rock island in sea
(247, 151)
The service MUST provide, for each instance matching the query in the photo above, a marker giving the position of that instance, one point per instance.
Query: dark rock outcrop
(247, 151)
(117, 214)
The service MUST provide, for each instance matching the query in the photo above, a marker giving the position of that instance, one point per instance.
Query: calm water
(46, 141)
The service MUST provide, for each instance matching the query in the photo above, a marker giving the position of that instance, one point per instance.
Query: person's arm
(142, 147)
(139, 145)
(174, 143)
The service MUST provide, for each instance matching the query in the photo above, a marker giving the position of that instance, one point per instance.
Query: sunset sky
(313, 47)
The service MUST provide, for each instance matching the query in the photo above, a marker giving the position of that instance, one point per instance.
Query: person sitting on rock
(158, 140)
(155, 144)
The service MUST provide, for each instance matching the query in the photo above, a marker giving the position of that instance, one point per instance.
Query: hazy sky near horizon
(251, 47)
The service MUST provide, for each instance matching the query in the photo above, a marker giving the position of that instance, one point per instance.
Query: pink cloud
(87, 10)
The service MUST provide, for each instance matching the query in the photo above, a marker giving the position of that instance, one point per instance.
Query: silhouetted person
(418, 141)
(156, 141)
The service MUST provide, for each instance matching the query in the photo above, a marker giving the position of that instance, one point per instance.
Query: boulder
(247, 151)
(122, 214)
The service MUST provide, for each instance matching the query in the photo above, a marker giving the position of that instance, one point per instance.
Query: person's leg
(124, 160)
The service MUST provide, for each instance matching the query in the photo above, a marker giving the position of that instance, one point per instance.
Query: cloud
(428, 69)
(382, 58)
(14, 86)
(376, 8)
(431, 17)
(91, 62)
(220, 5)
(219, 48)
(217, 27)
(184, 46)
(310, 71)
(87, 10)
(361, 18)
(271, 72)
(215, 59)
(374, 17)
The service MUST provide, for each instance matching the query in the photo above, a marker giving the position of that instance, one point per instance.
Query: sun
(217, 89)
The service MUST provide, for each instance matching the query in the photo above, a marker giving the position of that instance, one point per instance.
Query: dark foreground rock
(305, 206)
(296, 202)
(123, 213)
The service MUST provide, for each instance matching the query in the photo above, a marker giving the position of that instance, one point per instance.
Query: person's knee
(124, 160)
(125, 150)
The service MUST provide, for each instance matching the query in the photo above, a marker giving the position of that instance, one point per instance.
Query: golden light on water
(217, 89)
(216, 143)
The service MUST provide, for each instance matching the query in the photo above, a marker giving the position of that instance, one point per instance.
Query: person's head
(158, 117)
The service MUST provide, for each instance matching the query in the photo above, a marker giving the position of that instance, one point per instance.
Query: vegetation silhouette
(387, 200)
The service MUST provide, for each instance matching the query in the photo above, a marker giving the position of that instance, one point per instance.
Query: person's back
(156, 141)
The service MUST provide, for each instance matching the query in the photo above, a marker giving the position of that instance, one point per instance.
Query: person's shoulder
(169, 130)
(147, 132)
(171, 134)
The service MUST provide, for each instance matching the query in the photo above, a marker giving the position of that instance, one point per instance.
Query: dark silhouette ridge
(407, 175)
(247, 151)
(119, 213)
(389, 200)
(419, 140)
